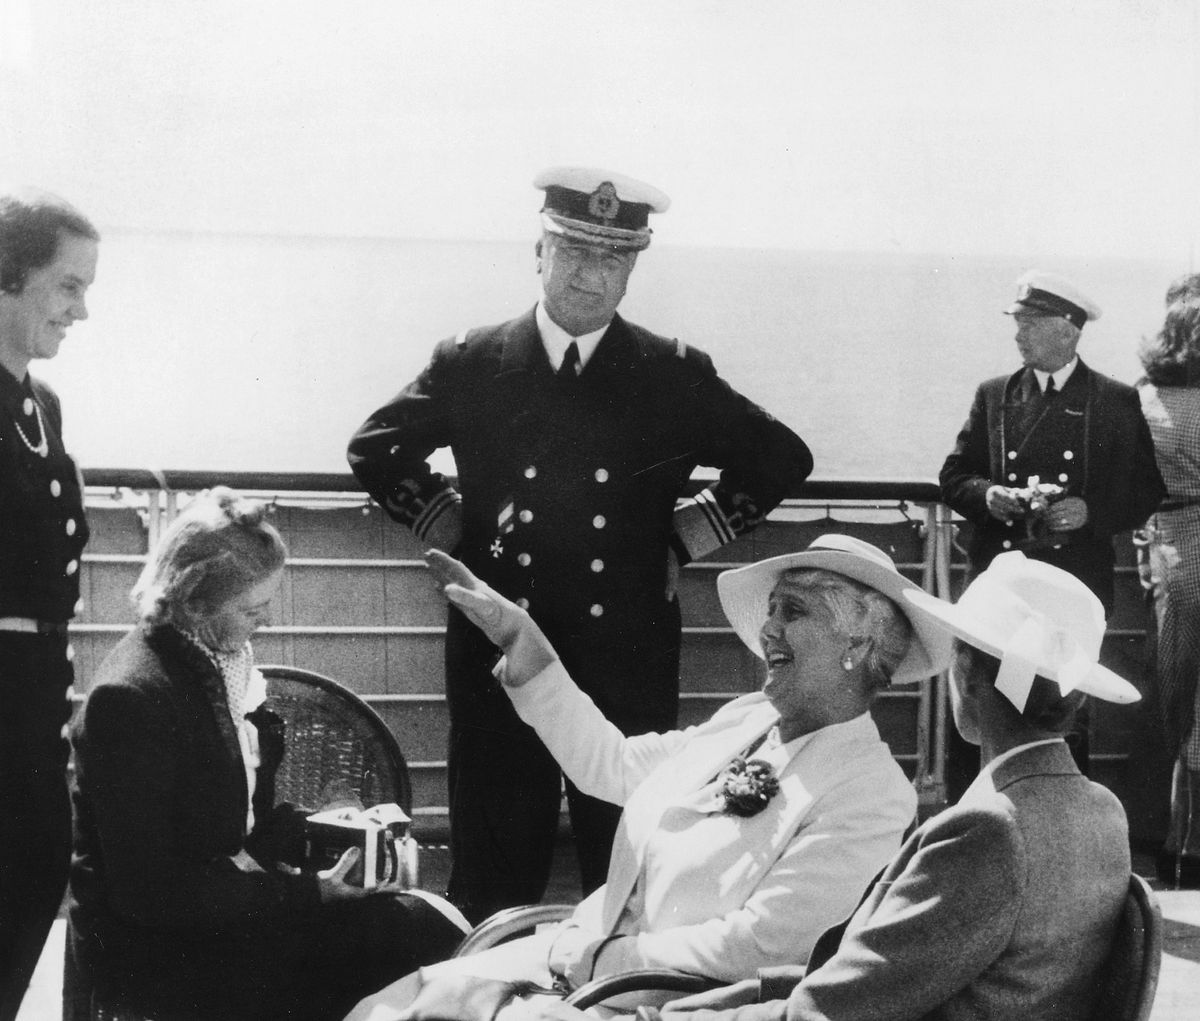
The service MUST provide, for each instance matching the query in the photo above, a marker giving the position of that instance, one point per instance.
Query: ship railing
(842, 504)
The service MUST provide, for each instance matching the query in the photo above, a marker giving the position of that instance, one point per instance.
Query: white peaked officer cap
(1051, 295)
(599, 207)
(1038, 620)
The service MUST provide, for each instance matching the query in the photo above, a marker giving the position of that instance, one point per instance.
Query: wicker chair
(333, 736)
(332, 739)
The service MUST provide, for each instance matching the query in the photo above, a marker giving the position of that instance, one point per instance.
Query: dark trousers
(35, 812)
(505, 787)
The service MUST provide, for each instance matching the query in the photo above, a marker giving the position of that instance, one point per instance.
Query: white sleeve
(598, 758)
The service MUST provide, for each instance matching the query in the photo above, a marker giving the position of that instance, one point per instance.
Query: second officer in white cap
(574, 434)
(1055, 459)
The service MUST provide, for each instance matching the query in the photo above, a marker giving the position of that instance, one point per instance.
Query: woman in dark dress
(48, 256)
(178, 908)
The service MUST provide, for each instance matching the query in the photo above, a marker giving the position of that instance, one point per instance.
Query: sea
(244, 352)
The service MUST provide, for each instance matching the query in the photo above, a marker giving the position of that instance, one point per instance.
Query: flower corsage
(746, 787)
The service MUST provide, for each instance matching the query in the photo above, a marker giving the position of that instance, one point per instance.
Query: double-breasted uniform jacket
(1003, 906)
(569, 489)
(693, 888)
(42, 534)
(42, 525)
(1090, 439)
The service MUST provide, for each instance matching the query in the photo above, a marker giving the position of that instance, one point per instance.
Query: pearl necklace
(42, 447)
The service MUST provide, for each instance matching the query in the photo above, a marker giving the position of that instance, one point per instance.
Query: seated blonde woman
(177, 907)
(741, 838)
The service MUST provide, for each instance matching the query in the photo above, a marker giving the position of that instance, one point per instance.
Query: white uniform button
(70, 526)
(523, 603)
(1063, 477)
(524, 559)
(70, 653)
(1068, 455)
(1012, 455)
(27, 407)
(601, 475)
(79, 606)
(597, 565)
(1008, 522)
(1012, 476)
(597, 610)
(65, 732)
(394, 451)
(72, 567)
(1007, 544)
(70, 692)
(599, 521)
(55, 487)
(526, 516)
(531, 472)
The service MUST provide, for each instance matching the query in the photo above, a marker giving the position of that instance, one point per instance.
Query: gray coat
(1003, 906)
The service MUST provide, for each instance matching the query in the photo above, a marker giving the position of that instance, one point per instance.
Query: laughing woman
(742, 837)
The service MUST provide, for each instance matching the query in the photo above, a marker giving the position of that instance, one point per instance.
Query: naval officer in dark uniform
(47, 262)
(1071, 428)
(574, 434)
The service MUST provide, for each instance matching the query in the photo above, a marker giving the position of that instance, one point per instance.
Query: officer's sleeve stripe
(434, 510)
(700, 525)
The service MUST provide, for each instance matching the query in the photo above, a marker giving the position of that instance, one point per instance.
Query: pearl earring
(847, 663)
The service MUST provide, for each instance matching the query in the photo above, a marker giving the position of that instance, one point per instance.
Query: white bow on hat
(1038, 620)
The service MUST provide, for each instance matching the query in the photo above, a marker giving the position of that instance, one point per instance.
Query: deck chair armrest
(648, 979)
(510, 923)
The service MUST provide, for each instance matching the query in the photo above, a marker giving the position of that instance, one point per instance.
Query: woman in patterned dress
(1170, 394)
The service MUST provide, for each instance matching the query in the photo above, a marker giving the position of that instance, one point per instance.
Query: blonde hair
(218, 547)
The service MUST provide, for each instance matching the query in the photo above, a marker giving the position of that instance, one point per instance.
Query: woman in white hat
(743, 838)
(1005, 905)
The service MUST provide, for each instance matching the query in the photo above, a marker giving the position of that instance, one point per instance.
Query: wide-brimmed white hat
(745, 591)
(1037, 620)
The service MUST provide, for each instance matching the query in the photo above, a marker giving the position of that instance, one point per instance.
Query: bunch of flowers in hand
(1035, 498)
(1037, 495)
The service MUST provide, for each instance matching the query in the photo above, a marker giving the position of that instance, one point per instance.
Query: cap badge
(1023, 291)
(603, 202)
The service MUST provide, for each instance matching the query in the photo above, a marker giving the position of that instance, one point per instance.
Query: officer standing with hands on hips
(48, 254)
(1080, 434)
(574, 434)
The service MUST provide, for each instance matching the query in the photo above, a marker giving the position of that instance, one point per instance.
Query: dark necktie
(1051, 389)
(569, 370)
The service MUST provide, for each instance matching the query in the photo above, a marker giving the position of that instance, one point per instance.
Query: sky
(1023, 126)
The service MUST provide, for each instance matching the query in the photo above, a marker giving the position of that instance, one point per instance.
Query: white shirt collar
(556, 340)
(1060, 377)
